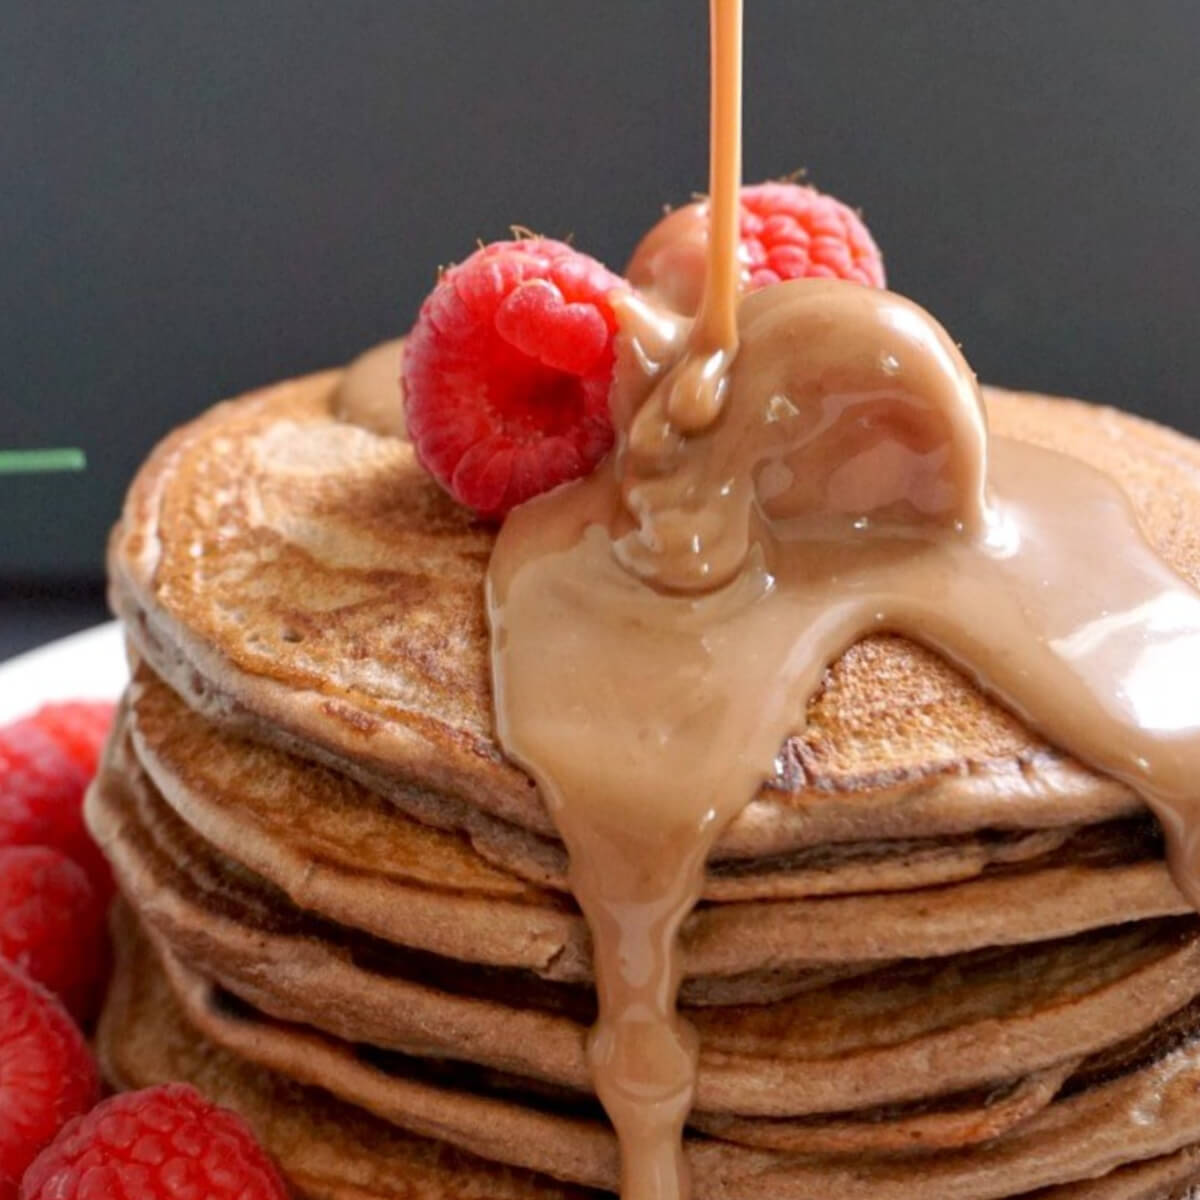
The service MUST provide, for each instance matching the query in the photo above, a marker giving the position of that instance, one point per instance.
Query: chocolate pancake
(1172, 1177)
(833, 869)
(943, 1123)
(296, 820)
(301, 579)
(329, 1150)
(335, 1151)
(934, 953)
(356, 884)
(982, 1020)
(1142, 1108)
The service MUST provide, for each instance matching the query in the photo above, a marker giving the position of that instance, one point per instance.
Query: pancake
(909, 1032)
(335, 1151)
(484, 930)
(1172, 1177)
(371, 391)
(834, 869)
(329, 1150)
(1147, 1111)
(934, 953)
(943, 1124)
(1068, 895)
(298, 820)
(300, 579)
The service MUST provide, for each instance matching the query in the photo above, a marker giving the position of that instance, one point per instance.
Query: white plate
(85, 666)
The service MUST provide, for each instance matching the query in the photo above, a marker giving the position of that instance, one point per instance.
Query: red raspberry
(51, 925)
(787, 232)
(507, 371)
(166, 1142)
(80, 727)
(41, 799)
(47, 1075)
(790, 231)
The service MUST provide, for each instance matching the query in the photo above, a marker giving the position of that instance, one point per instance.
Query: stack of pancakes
(935, 957)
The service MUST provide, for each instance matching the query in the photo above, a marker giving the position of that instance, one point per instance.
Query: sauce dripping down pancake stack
(798, 470)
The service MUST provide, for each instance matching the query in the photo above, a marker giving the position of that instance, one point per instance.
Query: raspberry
(787, 232)
(80, 727)
(41, 799)
(51, 925)
(507, 372)
(166, 1142)
(47, 1075)
(790, 231)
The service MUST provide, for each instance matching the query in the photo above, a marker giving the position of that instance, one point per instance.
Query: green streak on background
(37, 462)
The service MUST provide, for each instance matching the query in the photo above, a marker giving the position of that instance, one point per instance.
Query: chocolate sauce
(795, 471)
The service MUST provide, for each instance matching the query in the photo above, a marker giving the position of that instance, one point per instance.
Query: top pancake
(303, 579)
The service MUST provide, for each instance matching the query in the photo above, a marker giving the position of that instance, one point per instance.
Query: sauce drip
(793, 473)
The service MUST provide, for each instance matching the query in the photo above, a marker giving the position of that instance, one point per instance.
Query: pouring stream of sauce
(793, 473)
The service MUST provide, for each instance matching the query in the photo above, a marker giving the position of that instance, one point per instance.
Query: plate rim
(86, 665)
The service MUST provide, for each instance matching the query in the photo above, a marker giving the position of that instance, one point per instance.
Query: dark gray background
(199, 197)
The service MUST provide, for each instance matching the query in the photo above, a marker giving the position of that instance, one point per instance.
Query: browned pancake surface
(336, 1151)
(300, 824)
(330, 1150)
(303, 578)
(300, 580)
(1149, 1111)
(915, 1030)
(738, 940)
